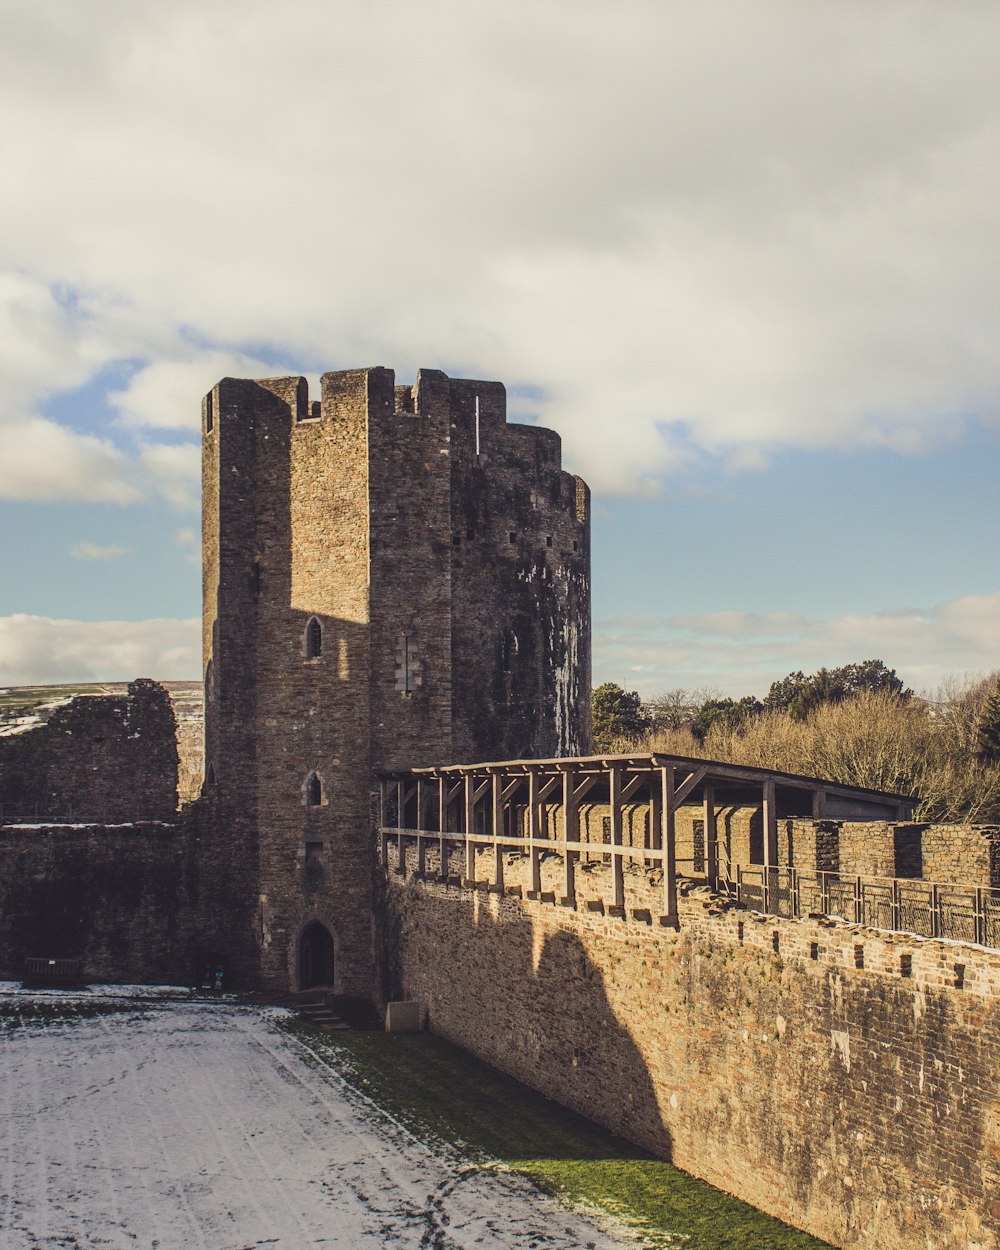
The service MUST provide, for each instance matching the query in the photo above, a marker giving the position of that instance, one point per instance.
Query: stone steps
(321, 1016)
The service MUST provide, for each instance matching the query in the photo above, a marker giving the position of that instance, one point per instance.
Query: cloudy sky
(744, 257)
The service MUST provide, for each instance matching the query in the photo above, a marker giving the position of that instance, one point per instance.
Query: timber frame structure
(502, 806)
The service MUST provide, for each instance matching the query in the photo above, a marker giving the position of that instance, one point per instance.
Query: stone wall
(967, 855)
(107, 758)
(838, 1078)
(520, 586)
(963, 854)
(952, 854)
(126, 900)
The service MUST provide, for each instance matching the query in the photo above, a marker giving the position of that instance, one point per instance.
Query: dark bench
(40, 971)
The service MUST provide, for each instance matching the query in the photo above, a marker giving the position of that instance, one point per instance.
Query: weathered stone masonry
(126, 900)
(107, 758)
(842, 1079)
(441, 557)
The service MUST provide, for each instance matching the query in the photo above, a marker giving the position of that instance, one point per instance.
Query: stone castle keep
(393, 576)
(787, 987)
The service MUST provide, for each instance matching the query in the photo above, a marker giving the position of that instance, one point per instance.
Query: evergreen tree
(618, 714)
(988, 737)
(799, 695)
(730, 712)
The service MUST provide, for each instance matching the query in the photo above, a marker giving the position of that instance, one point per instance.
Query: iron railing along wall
(927, 908)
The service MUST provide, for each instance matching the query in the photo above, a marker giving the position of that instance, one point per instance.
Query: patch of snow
(195, 1124)
(37, 716)
(87, 824)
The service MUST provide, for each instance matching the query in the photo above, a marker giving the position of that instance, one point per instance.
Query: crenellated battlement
(476, 409)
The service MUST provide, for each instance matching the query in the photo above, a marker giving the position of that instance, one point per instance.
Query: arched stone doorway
(315, 957)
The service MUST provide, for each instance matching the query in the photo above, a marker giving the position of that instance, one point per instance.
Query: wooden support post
(711, 837)
(496, 807)
(400, 810)
(668, 841)
(535, 867)
(770, 822)
(442, 827)
(383, 804)
(569, 832)
(470, 827)
(617, 867)
(421, 845)
(400, 803)
(655, 815)
(819, 804)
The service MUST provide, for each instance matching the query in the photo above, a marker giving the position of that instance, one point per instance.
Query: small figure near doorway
(212, 970)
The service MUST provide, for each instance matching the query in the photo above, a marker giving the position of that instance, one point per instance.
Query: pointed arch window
(314, 639)
(314, 790)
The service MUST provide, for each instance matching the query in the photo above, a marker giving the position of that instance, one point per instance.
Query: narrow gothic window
(314, 790)
(409, 670)
(314, 639)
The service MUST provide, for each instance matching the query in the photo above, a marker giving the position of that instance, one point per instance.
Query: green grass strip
(441, 1093)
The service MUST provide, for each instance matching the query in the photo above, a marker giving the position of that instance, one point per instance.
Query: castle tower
(393, 577)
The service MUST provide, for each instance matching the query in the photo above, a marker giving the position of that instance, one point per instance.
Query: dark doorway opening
(315, 957)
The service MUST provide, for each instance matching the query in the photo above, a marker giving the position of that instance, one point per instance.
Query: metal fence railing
(928, 908)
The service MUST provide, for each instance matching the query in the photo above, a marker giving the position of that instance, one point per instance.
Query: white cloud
(43, 460)
(86, 550)
(166, 394)
(743, 652)
(695, 225)
(47, 347)
(174, 471)
(39, 650)
(189, 541)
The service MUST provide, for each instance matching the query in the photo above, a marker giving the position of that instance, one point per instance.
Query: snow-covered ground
(176, 1124)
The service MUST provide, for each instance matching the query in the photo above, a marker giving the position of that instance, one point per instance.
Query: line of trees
(857, 724)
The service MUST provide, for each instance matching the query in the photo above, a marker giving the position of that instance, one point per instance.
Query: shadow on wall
(535, 1007)
(120, 900)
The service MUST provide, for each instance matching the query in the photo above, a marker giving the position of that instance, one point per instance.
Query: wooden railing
(510, 808)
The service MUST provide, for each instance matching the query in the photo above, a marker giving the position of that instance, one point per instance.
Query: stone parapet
(840, 1078)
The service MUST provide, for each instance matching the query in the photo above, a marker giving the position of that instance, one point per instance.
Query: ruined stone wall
(125, 900)
(839, 1079)
(104, 758)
